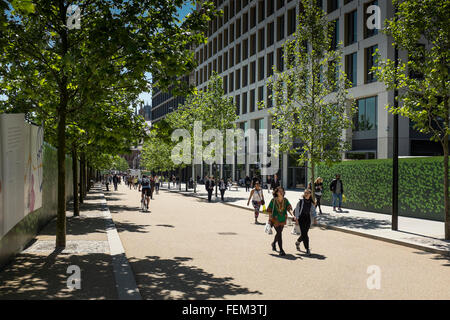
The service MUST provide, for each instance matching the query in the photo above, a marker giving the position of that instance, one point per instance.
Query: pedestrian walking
(222, 188)
(209, 185)
(247, 183)
(257, 197)
(157, 182)
(152, 186)
(107, 183)
(274, 183)
(318, 188)
(305, 215)
(278, 208)
(337, 189)
(115, 181)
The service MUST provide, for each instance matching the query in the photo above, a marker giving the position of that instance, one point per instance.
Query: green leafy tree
(211, 107)
(310, 96)
(51, 72)
(422, 28)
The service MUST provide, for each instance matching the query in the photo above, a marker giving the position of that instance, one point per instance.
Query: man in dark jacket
(247, 183)
(274, 183)
(209, 185)
(337, 188)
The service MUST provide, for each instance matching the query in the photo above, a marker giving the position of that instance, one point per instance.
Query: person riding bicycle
(145, 183)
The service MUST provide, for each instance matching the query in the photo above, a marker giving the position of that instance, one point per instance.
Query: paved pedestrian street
(187, 248)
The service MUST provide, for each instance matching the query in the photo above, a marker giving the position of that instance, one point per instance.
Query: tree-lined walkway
(186, 248)
(416, 233)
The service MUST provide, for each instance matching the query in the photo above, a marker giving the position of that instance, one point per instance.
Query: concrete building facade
(246, 43)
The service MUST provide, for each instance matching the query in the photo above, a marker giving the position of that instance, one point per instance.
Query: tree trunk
(61, 138)
(82, 177)
(179, 178)
(313, 186)
(76, 204)
(61, 211)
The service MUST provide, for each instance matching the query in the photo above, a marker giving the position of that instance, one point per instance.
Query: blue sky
(182, 12)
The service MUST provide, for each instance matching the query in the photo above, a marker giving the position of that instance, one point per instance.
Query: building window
(253, 72)
(261, 68)
(261, 39)
(215, 45)
(225, 61)
(270, 33)
(280, 4)
(219, 64)
(238, 53)
(252, 44)
(291, 21)
(244, 103)
(369, 32)
(270, 7)
(269, 97)
(237, 101)
(225, 84)
(238, 79)
(252, 17)
(366, 117)
(332, 5)
(245, 49)
(347, 2)
(335, 38)
(231, 80)
(231, 8)
(245, 76)
(231, 56)
(261, 94)
(225, 37)
(270, 64)
(225, 14)
(238, 6)
(261, 11)
(350, 28)
(370, 60)
(238, 28)
(220, 41)
(351, 68)
(280, 28)
(232, 32)
(252, 100)
(280, 60)
(245, 22)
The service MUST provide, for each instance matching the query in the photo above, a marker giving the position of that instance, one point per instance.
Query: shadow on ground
(354, 223)
(44, 276)
(167, 279)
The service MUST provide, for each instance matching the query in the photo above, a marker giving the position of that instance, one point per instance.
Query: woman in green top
(278, 208)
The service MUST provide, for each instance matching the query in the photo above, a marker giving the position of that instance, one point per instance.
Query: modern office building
(164, 102)
(246, 42)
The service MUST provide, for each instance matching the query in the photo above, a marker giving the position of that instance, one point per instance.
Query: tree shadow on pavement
(354, 222)
(44, 276)
(121, 208)
(167, 279)
(84, 225)
(440, 257)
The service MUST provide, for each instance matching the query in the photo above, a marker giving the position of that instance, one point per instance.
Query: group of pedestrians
(304, 213)
(210, 185)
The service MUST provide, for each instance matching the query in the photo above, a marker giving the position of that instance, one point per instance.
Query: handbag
(296, 229)
(268, 228)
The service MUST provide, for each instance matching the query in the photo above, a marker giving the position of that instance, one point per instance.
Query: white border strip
(125, 282)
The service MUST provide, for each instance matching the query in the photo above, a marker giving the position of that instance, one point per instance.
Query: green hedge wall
(368, 186)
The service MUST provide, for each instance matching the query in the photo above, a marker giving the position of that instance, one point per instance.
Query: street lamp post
(395, 146)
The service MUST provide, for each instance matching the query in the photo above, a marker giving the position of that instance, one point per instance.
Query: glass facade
(366, 117)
